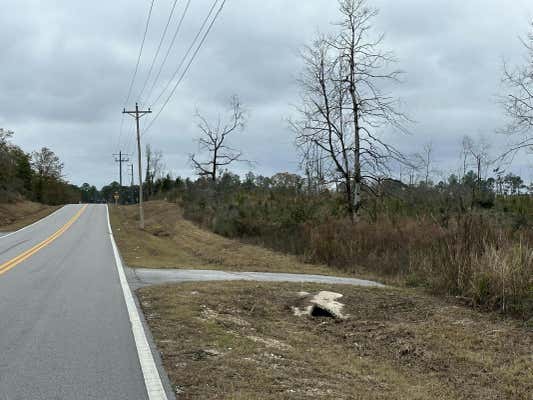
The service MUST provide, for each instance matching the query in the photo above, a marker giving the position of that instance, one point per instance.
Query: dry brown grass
(471, 256)
(240, 341)
(169, 241)
(14, 216)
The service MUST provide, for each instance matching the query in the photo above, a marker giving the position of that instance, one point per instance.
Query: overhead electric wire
(188, 52)
(170, 47)
(158, 48)
(136, 67)
(131, 137)
(188, 65)
(120, 132)
(140, 52)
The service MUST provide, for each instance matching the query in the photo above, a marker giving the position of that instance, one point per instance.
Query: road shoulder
(241, 340)
(145, 346)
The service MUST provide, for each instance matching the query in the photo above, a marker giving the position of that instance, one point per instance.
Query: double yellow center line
(28, 253)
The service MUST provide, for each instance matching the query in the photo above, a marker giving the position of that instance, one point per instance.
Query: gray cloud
(66, 67)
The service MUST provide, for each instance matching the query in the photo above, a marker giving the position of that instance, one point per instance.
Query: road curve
(65, 331)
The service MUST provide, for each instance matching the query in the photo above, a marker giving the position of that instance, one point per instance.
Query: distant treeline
(455, 194)
(36, 176)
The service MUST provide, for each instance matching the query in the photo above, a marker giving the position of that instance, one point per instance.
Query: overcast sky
(66, 66)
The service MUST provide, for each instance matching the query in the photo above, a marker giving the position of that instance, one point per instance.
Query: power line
(136, 68)
(170, 47)
(158, 48)
(204, 23)
(140, 52)
(120, 131)
(131, 137)
(187, 67)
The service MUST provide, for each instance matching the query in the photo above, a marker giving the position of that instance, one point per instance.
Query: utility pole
(131, 174)
(138, 114)
(132, 197)
(120, 160)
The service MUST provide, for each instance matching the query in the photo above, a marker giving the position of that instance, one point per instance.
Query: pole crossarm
(120, 158)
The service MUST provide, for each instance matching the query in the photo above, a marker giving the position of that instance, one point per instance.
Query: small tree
(214, 141)
(47, 164)
(6, 159)
(49, 172)
(425, 162)
(476, 154)
(154, 169)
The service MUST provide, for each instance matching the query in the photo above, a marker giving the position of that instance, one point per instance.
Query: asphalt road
(65, 328)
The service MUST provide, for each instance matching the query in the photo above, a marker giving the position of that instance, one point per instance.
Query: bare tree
(154, 168)
(467, 144)
(312, 162)
(518, 103)
(344, 105)
(214, 141)
(425, 162)
(476, 154)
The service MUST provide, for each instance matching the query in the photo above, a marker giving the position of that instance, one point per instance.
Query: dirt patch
(169, 241)
(14, 216)
(240, 340)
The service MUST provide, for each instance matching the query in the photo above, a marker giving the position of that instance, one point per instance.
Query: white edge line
(152, 380)
(35, 223)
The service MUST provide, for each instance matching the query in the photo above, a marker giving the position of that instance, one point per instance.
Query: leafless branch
(214, 141)
(344, 106)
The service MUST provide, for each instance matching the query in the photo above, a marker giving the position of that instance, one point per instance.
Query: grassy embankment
(488, 263)
(14, 216)
(241, 341)
(169, 241)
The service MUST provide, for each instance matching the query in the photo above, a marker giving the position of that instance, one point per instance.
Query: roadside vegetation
(241, 341)
(31, 184)
(14, 216)
(170, 241)
(415, 234)
(35, 176)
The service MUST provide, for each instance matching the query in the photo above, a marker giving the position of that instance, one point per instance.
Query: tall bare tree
(476, 154)
(214, 141)
(154, 168)
(312, 163)
(518, 103)
(425, 162)
(466, 145)
(345, 106)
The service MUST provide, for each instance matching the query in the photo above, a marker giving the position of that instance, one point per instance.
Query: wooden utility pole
(131, 196)
(138, 114)
(120, 160)
(131, 174)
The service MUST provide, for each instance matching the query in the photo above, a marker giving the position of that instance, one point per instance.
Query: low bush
(472, 257)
